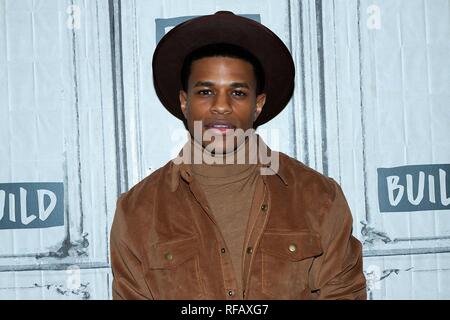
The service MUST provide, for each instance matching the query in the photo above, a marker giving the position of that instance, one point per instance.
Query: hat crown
(223, 12)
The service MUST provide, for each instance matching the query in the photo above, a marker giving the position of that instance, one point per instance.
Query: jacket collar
(180, 170)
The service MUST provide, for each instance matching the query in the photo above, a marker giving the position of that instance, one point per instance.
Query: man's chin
(220, 148)
(220, 143)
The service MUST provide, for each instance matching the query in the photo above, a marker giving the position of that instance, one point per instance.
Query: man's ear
(183, 102)
(260, 101)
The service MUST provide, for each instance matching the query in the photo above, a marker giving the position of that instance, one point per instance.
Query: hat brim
(190, 35)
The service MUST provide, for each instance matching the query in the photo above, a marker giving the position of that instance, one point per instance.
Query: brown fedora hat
(224, 27)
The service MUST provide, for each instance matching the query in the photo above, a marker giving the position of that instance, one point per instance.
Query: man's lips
(220, 126)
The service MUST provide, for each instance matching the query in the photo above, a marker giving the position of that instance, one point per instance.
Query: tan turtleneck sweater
(229, 190)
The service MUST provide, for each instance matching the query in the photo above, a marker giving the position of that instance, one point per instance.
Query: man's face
(222, 94)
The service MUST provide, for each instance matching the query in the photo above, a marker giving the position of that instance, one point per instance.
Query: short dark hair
(223, 50)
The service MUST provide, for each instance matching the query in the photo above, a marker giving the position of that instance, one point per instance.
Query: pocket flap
(294, 245)
(169, 254)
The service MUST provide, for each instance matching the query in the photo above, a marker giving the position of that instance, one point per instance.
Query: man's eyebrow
(239, 85)
(210, 84)
(203, 84)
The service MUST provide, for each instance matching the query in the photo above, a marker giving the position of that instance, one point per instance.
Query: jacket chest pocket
(173, 269)
(286, 260)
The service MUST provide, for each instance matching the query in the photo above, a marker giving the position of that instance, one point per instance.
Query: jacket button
(231, 293)
(249, 250)
(222, 250)
(168, 256)
(264, 207)
(292, 247)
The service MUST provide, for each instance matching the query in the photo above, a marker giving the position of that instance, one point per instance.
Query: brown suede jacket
(165, 243)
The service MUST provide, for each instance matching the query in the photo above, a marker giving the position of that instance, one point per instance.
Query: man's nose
(221, 104)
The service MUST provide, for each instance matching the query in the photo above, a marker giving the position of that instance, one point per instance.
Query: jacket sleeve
(339, 275)
(128, 280)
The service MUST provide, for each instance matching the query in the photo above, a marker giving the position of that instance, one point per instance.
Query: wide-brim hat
(224, 27)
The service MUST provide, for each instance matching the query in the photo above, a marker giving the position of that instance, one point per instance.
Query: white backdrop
(78, 109)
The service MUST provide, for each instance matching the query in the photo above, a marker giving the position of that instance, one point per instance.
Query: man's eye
(239, 93)
(204, 92)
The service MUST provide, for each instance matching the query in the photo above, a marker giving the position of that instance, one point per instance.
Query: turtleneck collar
(218, 166)
(181, 167)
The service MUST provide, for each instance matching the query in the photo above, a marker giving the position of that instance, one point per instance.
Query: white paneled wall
(57, 125)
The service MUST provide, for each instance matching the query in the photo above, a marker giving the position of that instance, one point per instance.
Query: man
(229, 218)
